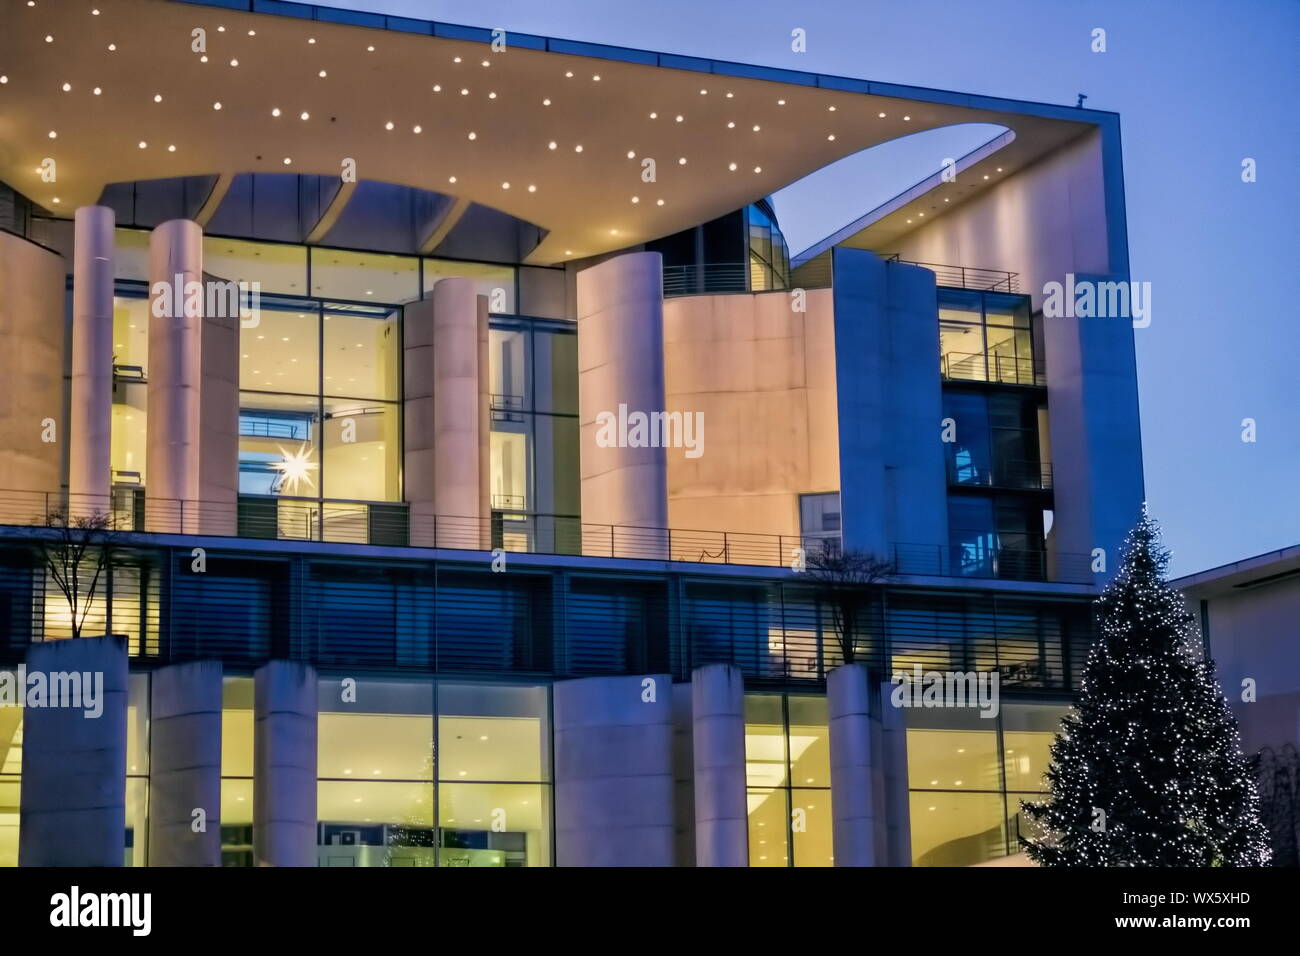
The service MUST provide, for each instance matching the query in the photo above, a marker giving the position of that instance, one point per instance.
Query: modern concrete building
(465, 427)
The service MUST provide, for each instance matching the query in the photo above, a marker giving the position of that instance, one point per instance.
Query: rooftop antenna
(1082, 97)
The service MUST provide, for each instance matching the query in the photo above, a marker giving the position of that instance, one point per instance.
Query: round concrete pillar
(853, 809)
(621, 373)
(91, 412)
(175, 369)
(721, 813)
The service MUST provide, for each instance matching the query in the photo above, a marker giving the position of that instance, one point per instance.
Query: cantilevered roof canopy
(551, 132)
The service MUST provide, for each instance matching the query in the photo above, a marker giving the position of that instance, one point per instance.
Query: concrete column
(91, 415)
(893, 486)
(853, 810)
(284, 764)
(897, 816)
(74, 757)
(621, 363)
(447, 416)
(175, 375)
(34, 424)
(614, 771)
(721, 814)
(185, 765)
(218, 425)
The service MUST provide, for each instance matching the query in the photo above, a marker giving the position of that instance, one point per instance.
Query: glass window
(508, 370)
(282, 352)
(237, 771)
(765, 742)
(276, 267)
(494, 824)
(11, 769)
(495, 282)
(137, 771)
(1027, 734)
(131, 254)
(279, 445)
(493, 732)
(509, 472)
(364, 276)
(362, 441)
(362, 347)
(809, 742)
(769, 819)
(810, 826)
(956, 829)
(555, 371)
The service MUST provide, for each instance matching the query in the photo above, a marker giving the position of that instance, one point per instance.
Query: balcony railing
(1003, 563)
(965, 277)
(991, 367)
(1013, 475)
(706, 278)
(393, 524)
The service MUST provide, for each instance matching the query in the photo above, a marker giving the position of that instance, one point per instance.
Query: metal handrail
(966, 277)
(397, 524)
(992, 367)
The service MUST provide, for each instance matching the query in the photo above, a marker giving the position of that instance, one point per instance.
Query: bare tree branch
(848, 583)
(84, 544)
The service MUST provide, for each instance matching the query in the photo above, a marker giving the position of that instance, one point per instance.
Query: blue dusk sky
(1200, 86)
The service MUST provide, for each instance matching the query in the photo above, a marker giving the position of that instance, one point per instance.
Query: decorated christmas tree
(1147, 769)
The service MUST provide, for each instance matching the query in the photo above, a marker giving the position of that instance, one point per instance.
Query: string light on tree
(1147, 769)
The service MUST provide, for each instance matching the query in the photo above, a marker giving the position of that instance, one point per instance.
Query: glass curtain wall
(967, 776)
(986, 337)
(414, 773)
(533, 477)
(787, 774)
(11, 771)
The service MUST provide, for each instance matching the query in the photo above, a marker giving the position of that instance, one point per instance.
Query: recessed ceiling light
(112, 47)
(322, 74)
(492, 96)
(53, 135)
(287, 160)
(680, 117)
(546, 102)
(252, 33)
(732, 167)
(473, 135)
(631, 154)
(388, 125)
(596, 77)
(986, 176)
(216, 106)
(532, 188)
(568, 73)
(236, 63)
(304, 115)
(455, 59)
(505, 185)
(659, 202)
(578, 148)
(758, 169)
(757, 127)
(907, 119)
(142, 144)
(67, 87)
(464, 92)
(311, 39)
(730, 95)
(4, 79)
(882, 115)
(731, 126)
(636, 198)
(370, 49)
(451, 179)
(831, 109)
(48, 38)
(275, 111)
(56, 199)
(780, 102)
(486, 63)
(171, 149)
(999, 169)
(157, 97)
(437, 88)
(97, 91)
(831, 137)
(417, 129)
(203, 59)
(551, 145)
(681, 161)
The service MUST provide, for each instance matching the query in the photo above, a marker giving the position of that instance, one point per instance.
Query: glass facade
(787, 776)
(533, 477)
(405, 783)
(967, 776)
(11, 776)
(986, 337)
(769, 258)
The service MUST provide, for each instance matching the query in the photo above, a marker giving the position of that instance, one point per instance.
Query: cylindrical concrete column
(74, 756)
(447, 416)
(185, 765)
(893, 757)
(175, 371)
(614, 771)
(721, 814)
(853, 810)
(621, 374)
(284, 764)
(90, 426)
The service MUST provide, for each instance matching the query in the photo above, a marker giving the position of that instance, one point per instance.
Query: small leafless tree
(849, 583)
(81, 550)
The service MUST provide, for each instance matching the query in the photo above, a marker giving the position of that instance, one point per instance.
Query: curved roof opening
(825, 201)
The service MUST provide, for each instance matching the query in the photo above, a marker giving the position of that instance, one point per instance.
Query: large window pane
(810, 752)
(374, 823)
(1027, 734)
(361, 353)
(769, 817)
(960, 757)
(362, 441)
(281, 353)
(276, 267)
(279, 445)
(493, 732)
(493, 824)
(765, 741)
(810, 823)
(11, 766)
(555, 371)
(957, 829)
(509, 471)
(364, 276)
